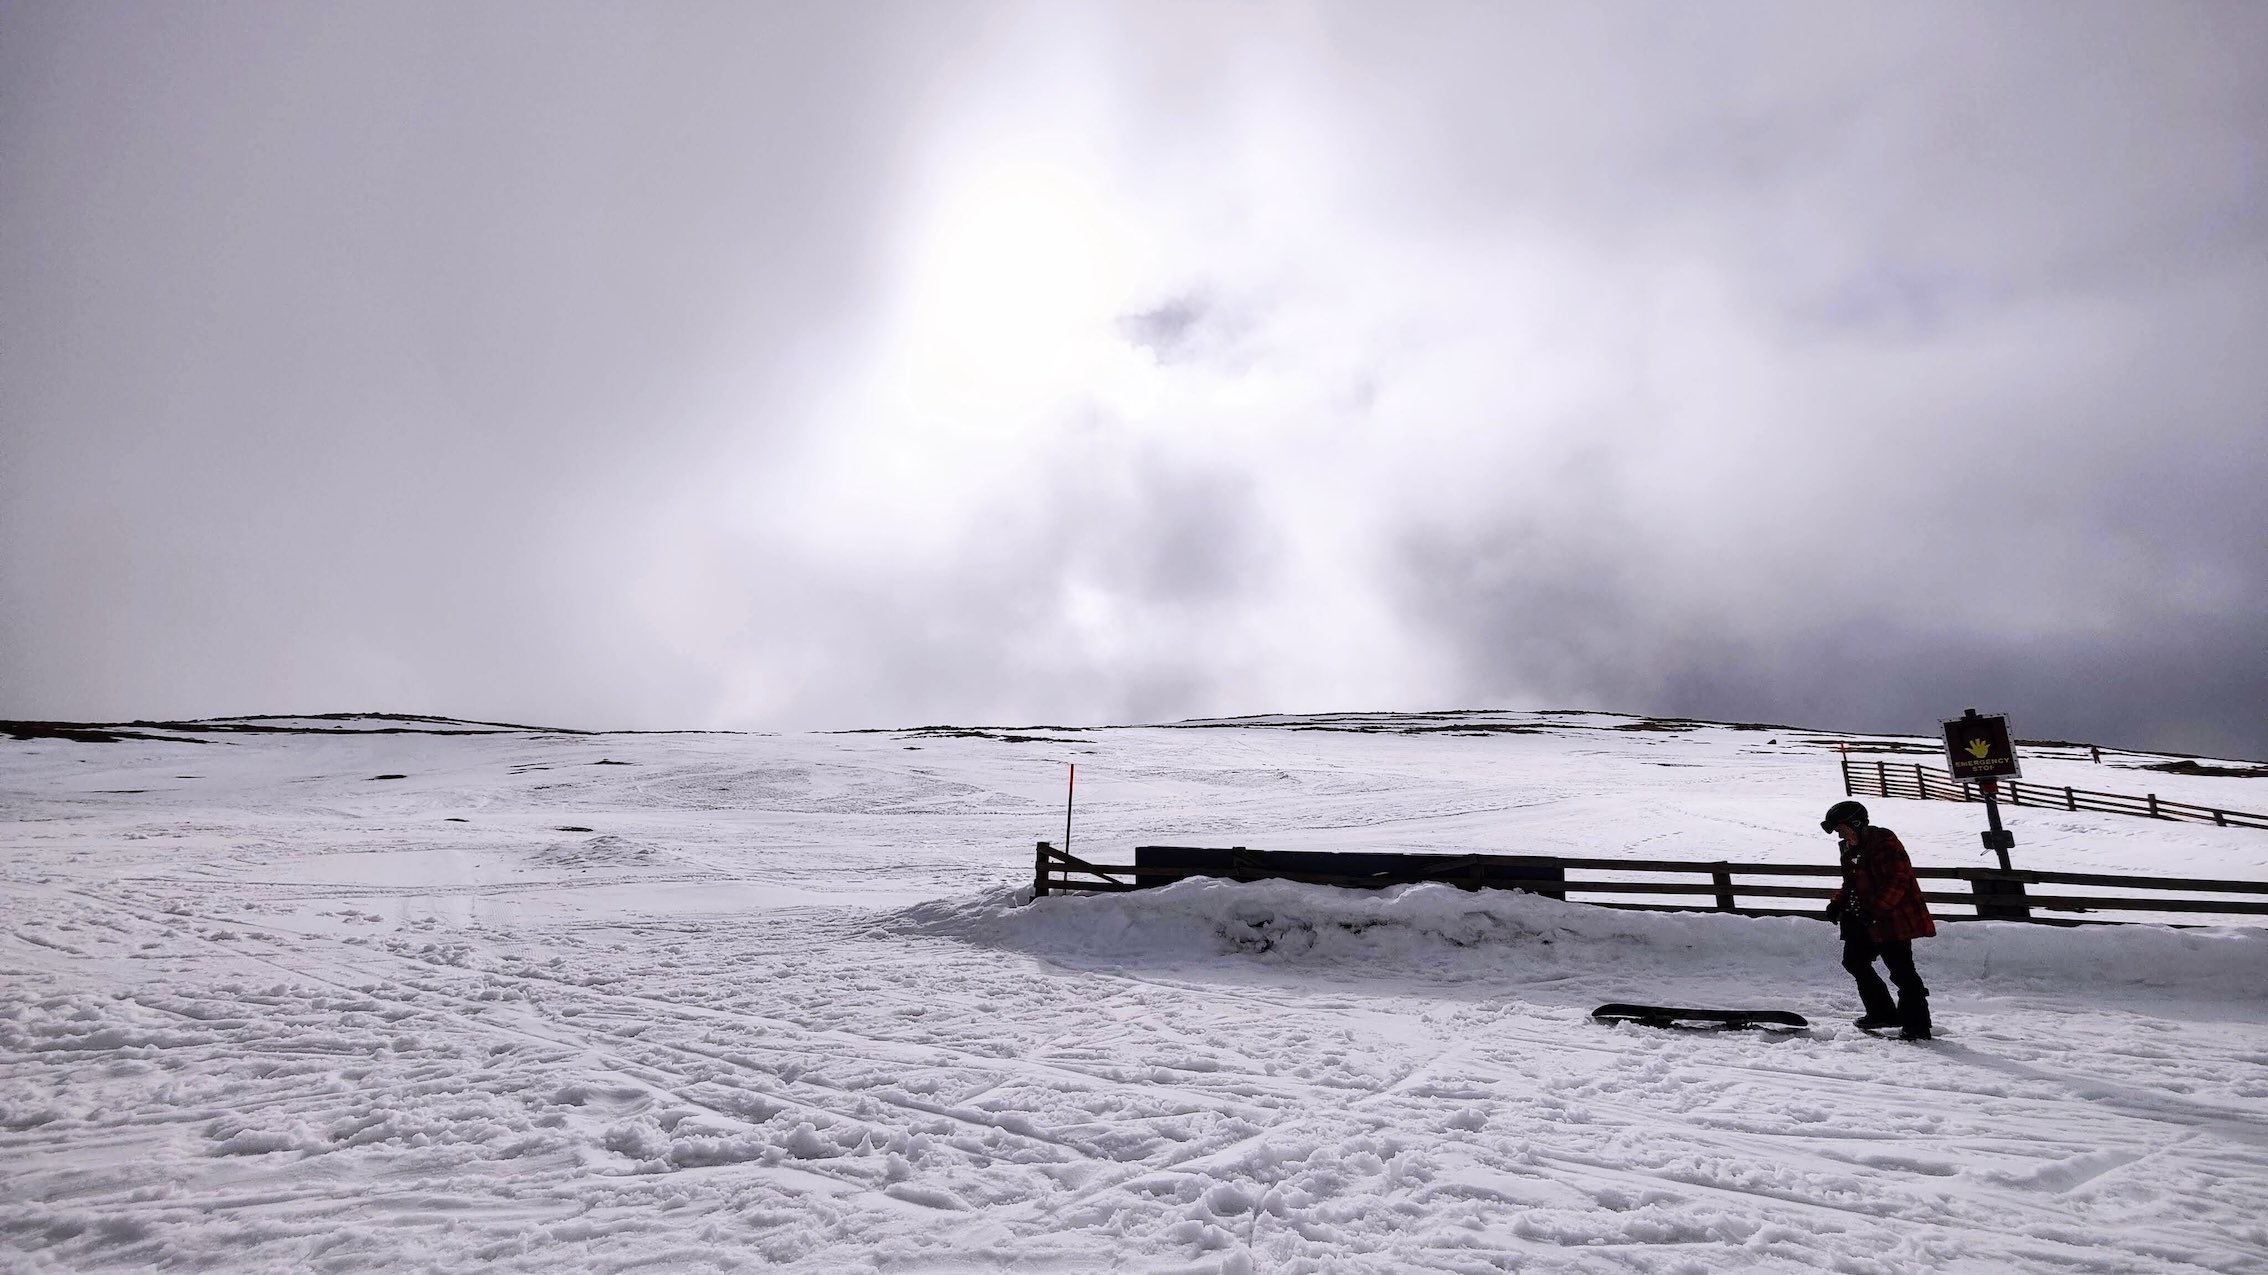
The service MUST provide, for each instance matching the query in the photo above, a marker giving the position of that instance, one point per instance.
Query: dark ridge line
(256, 724)
(2188, 766)
(393, 717)
(941, 729)
(114, 732)
(1917, 743)
(1006, 735)
(1378, 721)
(82, 733)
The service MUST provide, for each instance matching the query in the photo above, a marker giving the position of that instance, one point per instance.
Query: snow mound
(1429, 928)
(1442, 932)
(607, 851)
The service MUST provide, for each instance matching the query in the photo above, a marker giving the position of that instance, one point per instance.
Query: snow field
(775, 1003)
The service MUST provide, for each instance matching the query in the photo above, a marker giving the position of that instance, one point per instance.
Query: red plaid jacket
(1879, 879)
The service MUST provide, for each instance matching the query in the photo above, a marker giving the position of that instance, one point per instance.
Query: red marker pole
(1068, 788)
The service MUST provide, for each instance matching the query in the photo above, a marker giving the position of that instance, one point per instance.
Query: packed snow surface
(304, 996)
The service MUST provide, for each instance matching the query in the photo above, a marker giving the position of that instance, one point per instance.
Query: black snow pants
(1911, 1008)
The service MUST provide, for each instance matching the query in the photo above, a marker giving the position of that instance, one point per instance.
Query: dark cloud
(1185, 329)
(1541, 620)
(1164, 331)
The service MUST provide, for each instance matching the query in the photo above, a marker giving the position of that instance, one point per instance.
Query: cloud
(1107, 363)
(350, 353)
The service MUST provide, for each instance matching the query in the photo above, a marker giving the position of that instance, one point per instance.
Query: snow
(779, 1002)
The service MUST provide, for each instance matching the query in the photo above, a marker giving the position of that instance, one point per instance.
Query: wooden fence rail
(1991, 894)
(1880, 778)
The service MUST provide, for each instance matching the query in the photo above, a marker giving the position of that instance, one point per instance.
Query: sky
(793, 366)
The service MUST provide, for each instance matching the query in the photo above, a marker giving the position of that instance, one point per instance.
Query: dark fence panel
(1160, 865)
(1881, 778)
(1992, 894)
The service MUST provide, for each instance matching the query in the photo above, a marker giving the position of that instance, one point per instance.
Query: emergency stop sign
(1978, 746)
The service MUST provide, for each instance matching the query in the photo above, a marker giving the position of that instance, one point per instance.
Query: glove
(1834, 912)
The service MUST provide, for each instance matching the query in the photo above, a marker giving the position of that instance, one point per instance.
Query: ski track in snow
(745, 1002)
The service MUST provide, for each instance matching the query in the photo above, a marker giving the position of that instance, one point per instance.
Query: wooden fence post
(1881, 777)
(1721, 873)
(1921, 785)
(1999, 898)
(1846, 760)
(2154, 807)
(1039, 870)
(2015, 792)
(2070, 802)
(2219, 819)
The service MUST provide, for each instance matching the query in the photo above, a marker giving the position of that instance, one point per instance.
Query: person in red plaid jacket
(1881, 912)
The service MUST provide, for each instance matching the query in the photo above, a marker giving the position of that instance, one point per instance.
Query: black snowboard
(1720, 1019)
(1896, 1032)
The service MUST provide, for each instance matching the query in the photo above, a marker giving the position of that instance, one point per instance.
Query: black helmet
(1849, 812)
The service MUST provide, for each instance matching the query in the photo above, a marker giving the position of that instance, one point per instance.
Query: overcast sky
(835, 365)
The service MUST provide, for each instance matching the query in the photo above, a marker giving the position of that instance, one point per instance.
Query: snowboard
(1718, 1019)
(1895, 1032)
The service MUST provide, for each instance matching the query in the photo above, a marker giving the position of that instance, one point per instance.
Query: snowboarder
(1881, 912)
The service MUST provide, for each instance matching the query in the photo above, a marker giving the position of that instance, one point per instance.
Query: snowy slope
(327, 999)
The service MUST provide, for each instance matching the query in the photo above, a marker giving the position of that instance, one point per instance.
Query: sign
(1980, 748)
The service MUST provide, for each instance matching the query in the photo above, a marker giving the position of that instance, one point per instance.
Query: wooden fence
(1880, 778)
(1645, 884)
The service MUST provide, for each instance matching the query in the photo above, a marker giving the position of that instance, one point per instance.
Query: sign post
(1978, 750)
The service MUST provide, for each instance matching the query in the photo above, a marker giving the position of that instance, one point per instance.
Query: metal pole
(1072, 786)
(1999, 839)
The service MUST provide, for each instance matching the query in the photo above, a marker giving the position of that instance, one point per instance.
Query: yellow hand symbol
(1979, 749)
